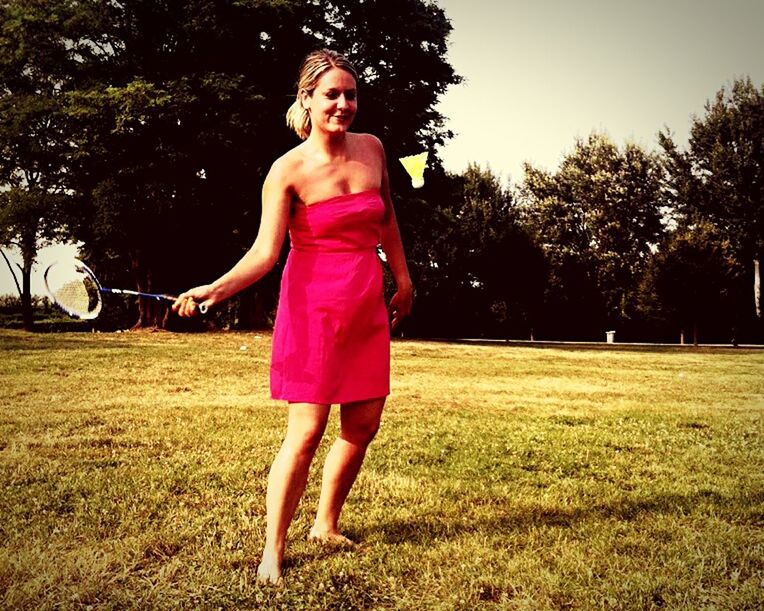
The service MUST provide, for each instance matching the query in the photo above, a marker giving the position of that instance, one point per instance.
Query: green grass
(133, 472)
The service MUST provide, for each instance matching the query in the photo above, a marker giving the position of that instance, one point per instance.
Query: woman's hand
(187, 304)
(401, 305)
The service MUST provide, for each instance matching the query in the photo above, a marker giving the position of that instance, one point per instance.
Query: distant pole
(757, 286)
(15, 280)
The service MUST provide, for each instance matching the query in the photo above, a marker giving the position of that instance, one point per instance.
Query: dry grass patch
(133, 470)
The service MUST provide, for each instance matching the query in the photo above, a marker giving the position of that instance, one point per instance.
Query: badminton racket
(76, 290)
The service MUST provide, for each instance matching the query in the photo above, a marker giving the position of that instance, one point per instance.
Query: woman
(331, 340)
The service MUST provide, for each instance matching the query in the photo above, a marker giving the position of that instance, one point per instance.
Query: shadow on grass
(573, 346)
(43, 341)
(427, 528)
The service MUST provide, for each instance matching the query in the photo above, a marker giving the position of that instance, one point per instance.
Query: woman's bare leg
(286, 481)
(359, 424)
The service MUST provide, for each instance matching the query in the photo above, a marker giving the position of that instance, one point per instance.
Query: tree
(399, 48)
(485, 276)
(597, 218)
(692, 283)
(34, 132)
(719, 179)
(179, 115)
(169, 113)
(173, 111)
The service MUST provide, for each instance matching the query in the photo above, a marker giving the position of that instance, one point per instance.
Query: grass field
(133, 472)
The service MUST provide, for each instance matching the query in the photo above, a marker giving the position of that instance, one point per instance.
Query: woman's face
(333, 103)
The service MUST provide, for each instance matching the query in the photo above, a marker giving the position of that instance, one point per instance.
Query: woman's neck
(330, 146)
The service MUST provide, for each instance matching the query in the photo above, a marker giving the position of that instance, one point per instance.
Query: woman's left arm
(390, 239)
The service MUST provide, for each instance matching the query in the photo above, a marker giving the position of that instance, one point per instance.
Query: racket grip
(203, 309)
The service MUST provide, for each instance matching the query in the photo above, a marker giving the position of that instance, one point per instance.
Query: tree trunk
(152, 313)
(250, 310)
(27, 314)
(28, 256)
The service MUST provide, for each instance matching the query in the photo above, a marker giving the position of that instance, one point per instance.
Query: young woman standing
(331, 340)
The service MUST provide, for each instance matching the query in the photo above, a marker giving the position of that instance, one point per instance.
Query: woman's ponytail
(298, 119)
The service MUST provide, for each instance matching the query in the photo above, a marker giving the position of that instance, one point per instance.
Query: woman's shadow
(430, 527)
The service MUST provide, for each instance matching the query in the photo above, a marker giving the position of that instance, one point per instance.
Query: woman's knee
(360, 422)
(305, 430)
(304, 440)
(360, 433)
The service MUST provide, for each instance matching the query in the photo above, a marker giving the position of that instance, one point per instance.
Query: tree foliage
(35, 135)
(596, 218)
(178, 125)
(174, 111)
(145, 128)
(693, 284)
(485, 276)
(719, 179)
(399, 48)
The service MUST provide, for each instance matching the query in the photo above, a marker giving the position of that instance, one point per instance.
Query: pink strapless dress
(331, 340)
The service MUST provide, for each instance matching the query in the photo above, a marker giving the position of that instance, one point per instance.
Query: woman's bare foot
(269, 571)
(330, 537)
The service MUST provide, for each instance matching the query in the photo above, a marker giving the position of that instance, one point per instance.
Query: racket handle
(160, 296)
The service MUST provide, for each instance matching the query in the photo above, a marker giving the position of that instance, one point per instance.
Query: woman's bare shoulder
(368, 141)
(287, 166)
(369, 147)
(290, 160)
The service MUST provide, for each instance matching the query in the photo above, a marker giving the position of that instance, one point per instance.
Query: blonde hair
(311, 69)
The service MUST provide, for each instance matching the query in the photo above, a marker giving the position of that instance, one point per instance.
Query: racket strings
(75, 291)
(75, 296)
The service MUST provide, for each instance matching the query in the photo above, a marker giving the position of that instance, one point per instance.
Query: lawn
(133, 470)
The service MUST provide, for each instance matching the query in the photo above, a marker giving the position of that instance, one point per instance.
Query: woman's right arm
(259, 259)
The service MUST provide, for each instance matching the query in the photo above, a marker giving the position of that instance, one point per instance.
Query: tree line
(144, 129)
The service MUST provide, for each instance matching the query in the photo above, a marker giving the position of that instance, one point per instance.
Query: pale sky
(540, 73)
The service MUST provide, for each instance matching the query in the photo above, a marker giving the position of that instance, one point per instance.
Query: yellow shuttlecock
(415, 165)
